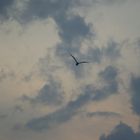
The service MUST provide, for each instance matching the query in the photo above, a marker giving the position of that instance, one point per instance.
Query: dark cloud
(109, 74)
(72, 32)
(63, 52)
(43, 9)
(93, 55)
(58, 9)
(122, 132)
(4, 5)
(70, 27)
(135, 88)
(106, 91)
(50, 94)
(73, 29)
(60, 116)
(103, 114)
(90, 93)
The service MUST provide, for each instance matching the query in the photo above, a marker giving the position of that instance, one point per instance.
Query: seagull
(76, 62)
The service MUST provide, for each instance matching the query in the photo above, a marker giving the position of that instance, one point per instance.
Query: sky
(44, 95)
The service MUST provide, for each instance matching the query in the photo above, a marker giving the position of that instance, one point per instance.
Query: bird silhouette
(76, 62)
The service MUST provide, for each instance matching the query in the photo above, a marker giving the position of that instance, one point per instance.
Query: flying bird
(76, 62)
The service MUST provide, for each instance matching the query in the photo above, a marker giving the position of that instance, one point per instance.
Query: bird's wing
(74, 58)
(83, 62)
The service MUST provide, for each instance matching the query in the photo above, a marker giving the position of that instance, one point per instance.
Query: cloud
(112, 50)
(88, 93)
(109, 74)
(135, 99)
(4, 74)
(103, 114)
(28, 77)
(93, 54)
(4, 5)
(42, 9)
(60, 116)
(63, 52)
(100, 2)
(73, 31)
(106, 91)
(50, 94)
(70, 27)
(73, 28)
(58, 9)
(120, 132)
(64, 114)
(110, 2)
(27, 10)
(18, 108)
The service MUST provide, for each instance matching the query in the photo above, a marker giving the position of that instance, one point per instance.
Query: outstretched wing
(74, 58)
(83, 62)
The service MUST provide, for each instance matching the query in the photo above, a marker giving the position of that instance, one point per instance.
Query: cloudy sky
(43, 95)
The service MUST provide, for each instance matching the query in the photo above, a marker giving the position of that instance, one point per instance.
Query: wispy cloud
(4, 74)
(103, 114)
(110, 2)
(18, 108)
